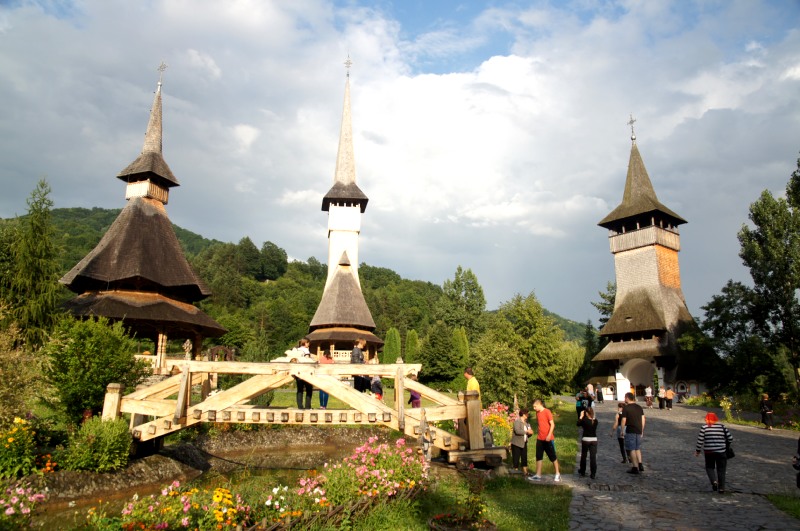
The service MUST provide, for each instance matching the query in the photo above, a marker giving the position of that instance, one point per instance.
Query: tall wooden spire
(343, 315)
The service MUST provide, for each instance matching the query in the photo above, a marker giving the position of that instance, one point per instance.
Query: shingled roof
(640, 311)
(639, 196)
(345, 189)
(342, 303)
(151, 164)
(146, 312)
(141, 252)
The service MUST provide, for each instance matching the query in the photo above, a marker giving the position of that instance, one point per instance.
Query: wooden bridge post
(399, 399)
(474, 421)
(112, 402)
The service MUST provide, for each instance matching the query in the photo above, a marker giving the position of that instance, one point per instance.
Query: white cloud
(518, 155)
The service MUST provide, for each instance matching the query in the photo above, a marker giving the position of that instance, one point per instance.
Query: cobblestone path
(674, 491)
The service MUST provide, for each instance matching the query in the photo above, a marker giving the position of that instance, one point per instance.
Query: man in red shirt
(545, 440)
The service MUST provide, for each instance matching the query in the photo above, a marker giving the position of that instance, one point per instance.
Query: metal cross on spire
(633, 133)
(347, 64)
(161, 68)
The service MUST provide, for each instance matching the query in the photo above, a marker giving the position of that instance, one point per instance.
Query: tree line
(748, 338)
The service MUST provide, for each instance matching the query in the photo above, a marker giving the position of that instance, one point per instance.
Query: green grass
(786, 503)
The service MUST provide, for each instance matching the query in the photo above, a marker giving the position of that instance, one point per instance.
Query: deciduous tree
(463, 302)
(771, 250)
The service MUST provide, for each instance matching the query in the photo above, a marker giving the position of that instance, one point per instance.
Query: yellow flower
(11, 439)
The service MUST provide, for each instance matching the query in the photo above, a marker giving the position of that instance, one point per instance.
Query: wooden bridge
(166, 407)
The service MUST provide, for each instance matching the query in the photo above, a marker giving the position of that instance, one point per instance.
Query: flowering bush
(17, 450)
(181, 508)
(374, 469)
(16, 505)
(726, 404)
(498, 418)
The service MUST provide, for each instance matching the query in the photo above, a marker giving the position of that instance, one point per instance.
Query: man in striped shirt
(712, 440)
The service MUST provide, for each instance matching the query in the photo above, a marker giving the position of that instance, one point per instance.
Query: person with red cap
(713, 440)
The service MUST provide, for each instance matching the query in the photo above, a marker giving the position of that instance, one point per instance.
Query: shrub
(374, 469)
(21, 370)
(99, 445)
(84, 357)
(17, 450)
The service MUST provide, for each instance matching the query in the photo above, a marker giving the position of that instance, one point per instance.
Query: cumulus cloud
(492, 137)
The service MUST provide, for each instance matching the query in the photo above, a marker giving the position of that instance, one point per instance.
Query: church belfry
(342, 315)
(650, 311)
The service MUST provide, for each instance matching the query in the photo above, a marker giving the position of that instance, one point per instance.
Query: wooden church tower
(343, 315)
(138, 273)
(650, 312)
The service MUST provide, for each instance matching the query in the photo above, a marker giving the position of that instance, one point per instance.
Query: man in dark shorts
(545, 440)
(633, 423)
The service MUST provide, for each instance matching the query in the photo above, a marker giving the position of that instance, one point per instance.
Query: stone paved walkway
(674, 492)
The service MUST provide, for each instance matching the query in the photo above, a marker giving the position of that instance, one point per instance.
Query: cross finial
(633, 133)
(347, 64)
(161, 68)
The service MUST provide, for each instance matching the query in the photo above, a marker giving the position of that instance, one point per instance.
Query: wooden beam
(430, 394)
(333, 369)
(156, 408)
(184, 393)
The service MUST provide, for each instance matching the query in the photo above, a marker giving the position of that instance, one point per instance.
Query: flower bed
(375, 471)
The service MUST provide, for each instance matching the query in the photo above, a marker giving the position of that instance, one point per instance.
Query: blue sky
(490, 135)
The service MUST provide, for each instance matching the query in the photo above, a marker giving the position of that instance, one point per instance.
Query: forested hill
(238, 275)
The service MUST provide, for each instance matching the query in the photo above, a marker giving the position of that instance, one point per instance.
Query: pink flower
(26, 510)
(185, 522)
(10, 510)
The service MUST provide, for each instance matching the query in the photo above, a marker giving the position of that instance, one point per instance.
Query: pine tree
(460, 347)
(391, 348)
(412, 347)
(33, 289)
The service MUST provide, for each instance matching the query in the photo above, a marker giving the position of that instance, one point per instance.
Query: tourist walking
(325, 359)
(765, 406)
(360, 383)
(669, 395)
(588, 422)
(648, 397)
(545, 440)
(617, 430)
(600, 397)
(303, 387)
(633, 422)
(662, 397)
(520, 433)
(713, 439)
